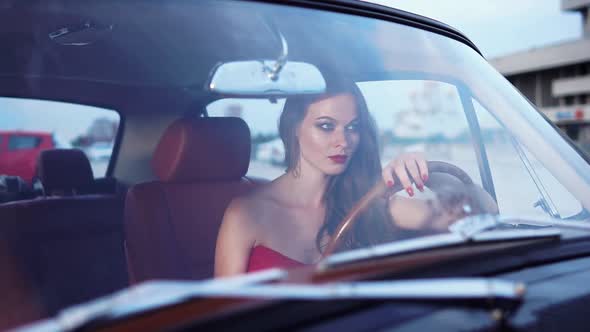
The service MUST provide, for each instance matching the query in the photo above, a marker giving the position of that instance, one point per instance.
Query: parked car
(142, 259)
(19, 151)
(272, 152)
(99, 151)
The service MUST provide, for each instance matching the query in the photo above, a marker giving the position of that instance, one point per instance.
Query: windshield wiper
(495, 294)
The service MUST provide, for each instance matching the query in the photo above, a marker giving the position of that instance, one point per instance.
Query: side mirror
(264, 79)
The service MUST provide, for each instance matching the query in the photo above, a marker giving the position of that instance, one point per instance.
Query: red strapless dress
(263, 257)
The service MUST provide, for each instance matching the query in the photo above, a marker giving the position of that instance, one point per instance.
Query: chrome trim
(467, 230)
(393, 248)
(469, 227)
(536, 221)
(515, 234)
(425, 289)
(158, 294)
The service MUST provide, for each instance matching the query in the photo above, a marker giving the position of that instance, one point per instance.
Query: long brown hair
(345, 189)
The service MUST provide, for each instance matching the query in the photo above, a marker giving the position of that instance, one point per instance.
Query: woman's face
(328, 134)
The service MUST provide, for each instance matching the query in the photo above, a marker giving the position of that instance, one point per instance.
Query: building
(556, 78)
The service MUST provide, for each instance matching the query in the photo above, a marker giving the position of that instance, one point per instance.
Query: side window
(262, 116)
(523, 185)
(30, 126)
(23, 142)
(420, 115)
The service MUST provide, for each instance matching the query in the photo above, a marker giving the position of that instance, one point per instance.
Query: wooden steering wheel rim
(378, 190)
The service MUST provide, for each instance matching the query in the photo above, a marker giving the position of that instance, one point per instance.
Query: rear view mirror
(266, 78)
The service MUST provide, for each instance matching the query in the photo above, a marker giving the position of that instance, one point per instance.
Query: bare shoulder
(251, 209)
(238, 228)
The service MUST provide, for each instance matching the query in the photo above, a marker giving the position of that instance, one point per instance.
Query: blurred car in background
(99, 151)
(272, 152)
(19, 151)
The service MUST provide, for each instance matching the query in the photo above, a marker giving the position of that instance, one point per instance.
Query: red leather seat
(171, 224)
(19, 304)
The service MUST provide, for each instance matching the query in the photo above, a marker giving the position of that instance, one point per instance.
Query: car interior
(157, 212)
(70, 237)
(104, 238)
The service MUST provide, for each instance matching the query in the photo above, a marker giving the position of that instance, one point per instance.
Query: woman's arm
(235, 240)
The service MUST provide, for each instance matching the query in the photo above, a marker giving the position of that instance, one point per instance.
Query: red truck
(19, 151)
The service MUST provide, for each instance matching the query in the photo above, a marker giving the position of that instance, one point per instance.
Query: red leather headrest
(203, 149)
(64, 171)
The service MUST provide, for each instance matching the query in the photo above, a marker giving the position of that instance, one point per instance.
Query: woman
(332, 161)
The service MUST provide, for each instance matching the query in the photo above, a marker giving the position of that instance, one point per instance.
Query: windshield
(396, 96)
(250, 136)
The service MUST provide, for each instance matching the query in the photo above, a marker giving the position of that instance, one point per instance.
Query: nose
(341, 139)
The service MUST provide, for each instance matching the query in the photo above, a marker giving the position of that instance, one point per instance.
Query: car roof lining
(169, 45)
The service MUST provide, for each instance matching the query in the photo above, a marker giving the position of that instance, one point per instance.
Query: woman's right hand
(408, 168)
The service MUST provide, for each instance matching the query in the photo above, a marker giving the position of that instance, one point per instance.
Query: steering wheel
(379, 189)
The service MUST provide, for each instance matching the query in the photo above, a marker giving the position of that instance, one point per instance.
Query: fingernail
(410, 191)
(389, 183)
(425, 177)
(420, 187)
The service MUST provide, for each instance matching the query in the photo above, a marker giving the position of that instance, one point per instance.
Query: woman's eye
(325, 126)
(352, 127)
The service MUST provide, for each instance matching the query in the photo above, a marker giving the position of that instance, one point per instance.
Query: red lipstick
(339, 158)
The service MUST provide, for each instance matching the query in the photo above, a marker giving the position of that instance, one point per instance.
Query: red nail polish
(389, 183)
(425, 177)
(410, 191)
(420, 187)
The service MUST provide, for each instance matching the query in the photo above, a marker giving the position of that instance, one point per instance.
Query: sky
(500, 27)
(66, 121)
